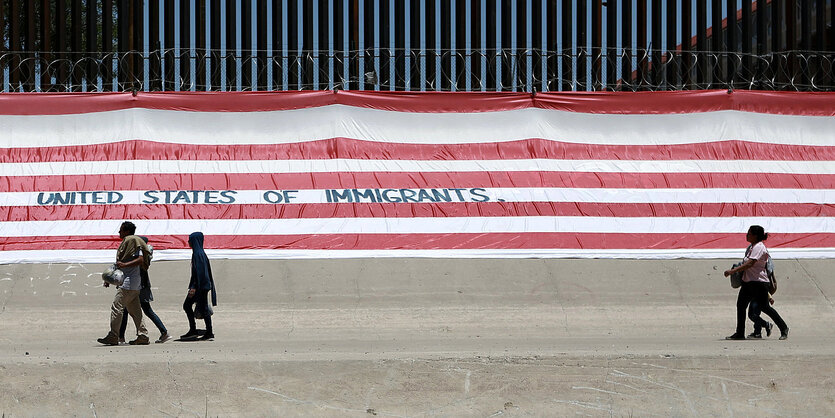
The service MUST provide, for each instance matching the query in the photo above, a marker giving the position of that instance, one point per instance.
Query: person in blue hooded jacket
(198, 290)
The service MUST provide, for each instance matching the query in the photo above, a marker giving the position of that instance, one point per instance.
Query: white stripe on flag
(509, 224)
(382, 166)
(291, 126)
(108, 256)
(532, 194)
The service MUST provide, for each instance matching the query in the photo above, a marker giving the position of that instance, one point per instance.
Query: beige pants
(127, 299)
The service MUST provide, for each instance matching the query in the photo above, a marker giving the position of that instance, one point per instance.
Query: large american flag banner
(397, 174)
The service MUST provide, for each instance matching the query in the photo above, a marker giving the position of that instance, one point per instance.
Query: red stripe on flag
(491, 179)
(659, 102)
(588, 241)
(77, 103)
(369, 150)
(409, 210)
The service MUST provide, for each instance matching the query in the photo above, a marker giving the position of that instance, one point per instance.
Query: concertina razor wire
(579, 69)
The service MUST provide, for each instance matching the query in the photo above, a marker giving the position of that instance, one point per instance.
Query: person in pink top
(754, 289)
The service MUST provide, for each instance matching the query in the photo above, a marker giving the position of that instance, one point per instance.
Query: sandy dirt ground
(422, 337)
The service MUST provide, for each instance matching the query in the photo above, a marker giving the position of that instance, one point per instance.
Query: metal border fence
(408, 70)
(416, 45)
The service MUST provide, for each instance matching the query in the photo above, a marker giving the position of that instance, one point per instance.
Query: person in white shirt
(145, 299)
(754, 289)
(130, 257)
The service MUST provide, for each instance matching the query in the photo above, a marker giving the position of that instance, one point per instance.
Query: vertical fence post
(805, 41)
(829, 66)
(45, 35)
(550, 32)
(123, 28)
(91, 47)
(566, 49)
(672, 75)
(686, 44)
(347, 39)
(277, 51)
(76, 28)
(512, 66)
(762, 46)
(439, 28)
(498, 52)
(656, 68)
(627, 53)
(702, 77)
(471, 27)
(43, 46)
(777, 44)
(61, 72)
(225, 54)
(394, 59)
(4, 64)
(746, 70)
(611, 45)
(106, 62)
(483, 60)
(137, 45)
(717, 58)
(201, 53)
(731, 44)
(360, 30)
(454, 46)
(154, 47)
(596, 45)
(791, 43)
(582, 46)
(831, 37)
(14, 45)
(408, 44)
(312, 45)
(642, 51)
(168, 76)
(820, 42)
(184, 57)
(375, 23)
(261, 61)
(246, 45)
(29, 46)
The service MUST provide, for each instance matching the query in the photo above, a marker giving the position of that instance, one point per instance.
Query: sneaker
(192, 333)
(755, 335)
(209, 336)
(735, 337)
(140, 340)
(163, 338)
(110, 339)
(121, 340)
(768, 327)
(784, 334)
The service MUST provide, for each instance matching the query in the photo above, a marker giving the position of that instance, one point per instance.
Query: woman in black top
(198, 289)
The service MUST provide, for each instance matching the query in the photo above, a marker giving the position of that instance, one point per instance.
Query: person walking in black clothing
(198, 289)
(754, 289)
(764, 305)
(145, 299)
